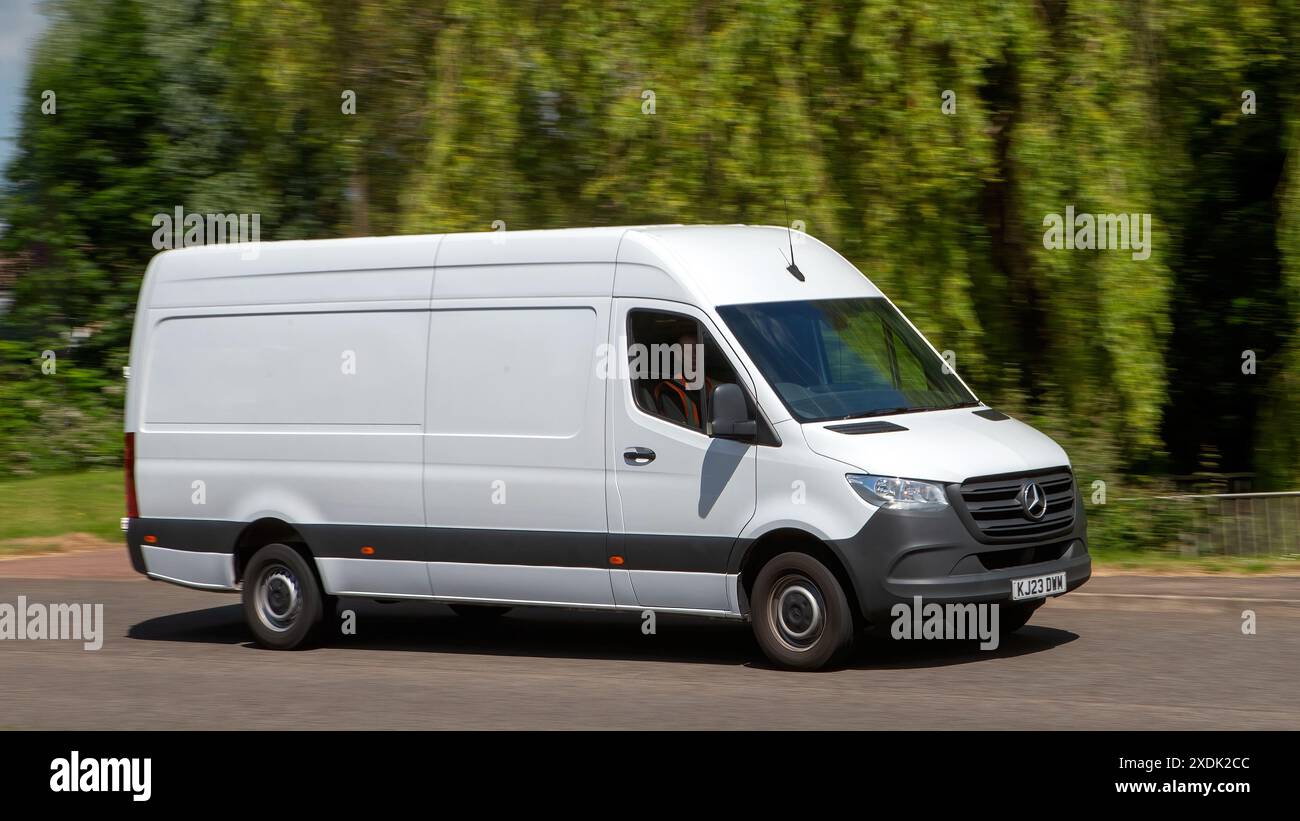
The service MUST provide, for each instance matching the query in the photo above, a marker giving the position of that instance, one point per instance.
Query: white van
(509, 419)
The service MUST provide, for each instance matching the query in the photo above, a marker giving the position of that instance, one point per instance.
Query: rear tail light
(128, 459)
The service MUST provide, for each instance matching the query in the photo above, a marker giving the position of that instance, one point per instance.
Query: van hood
(939, 446)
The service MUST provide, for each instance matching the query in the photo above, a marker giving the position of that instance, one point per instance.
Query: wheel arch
(262, 532)
(786, 540)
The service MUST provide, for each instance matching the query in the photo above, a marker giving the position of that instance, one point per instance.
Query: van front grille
(992, 510)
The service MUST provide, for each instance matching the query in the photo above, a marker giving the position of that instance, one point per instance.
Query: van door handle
(638, 456)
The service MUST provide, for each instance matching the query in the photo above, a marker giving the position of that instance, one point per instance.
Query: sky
(20, 24)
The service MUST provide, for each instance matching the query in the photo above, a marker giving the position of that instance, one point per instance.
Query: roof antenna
(792, 267)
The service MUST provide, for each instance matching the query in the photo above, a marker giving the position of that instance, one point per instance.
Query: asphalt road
(1135, 653)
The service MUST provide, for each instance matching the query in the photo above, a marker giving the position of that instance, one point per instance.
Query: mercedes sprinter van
(678, 419)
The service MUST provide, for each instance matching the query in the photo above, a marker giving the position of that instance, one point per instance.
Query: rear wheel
(802, 618)
(283, 602)
(479, 612)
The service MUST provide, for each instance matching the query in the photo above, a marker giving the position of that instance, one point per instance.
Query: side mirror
(731, 418)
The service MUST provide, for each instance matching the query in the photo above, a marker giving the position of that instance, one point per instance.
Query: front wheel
(802, 618)
(283, 601)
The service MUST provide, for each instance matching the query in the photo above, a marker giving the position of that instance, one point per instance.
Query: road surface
(1136, 652)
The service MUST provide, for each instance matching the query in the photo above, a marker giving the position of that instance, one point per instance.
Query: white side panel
(523, 280)
(311, 417)
(804, 490)
(211, 571)
(524, 584)
(515, 439)
(639, 275)
(512, 264)
(672, 590)
(514, 436)
(363, 269)
(231, 288)
(367, 577)
(318, 477)
(511, 372)
(288, 369)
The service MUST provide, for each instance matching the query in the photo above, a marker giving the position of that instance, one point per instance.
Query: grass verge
(32, 510)
(1161, 563)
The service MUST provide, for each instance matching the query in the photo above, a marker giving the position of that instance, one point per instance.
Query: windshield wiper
(885, 412)
(907, 409)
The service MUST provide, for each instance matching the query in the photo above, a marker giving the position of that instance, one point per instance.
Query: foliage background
(470, 111)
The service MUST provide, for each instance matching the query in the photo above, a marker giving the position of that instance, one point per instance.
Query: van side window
(674, 365)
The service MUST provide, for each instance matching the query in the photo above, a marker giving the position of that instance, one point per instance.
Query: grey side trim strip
(532, 548)
(704, 594)
(456, 544)
(629, 608)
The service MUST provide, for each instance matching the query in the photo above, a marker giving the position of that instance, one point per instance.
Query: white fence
(1240, 524)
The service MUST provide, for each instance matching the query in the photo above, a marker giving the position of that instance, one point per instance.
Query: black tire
(1012, 617)
(802, 618)
(283, 600)
(479, 612)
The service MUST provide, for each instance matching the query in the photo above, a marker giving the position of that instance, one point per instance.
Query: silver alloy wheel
(798, 612)
(279, 598)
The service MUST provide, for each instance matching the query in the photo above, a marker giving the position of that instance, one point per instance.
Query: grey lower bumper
(902, 554)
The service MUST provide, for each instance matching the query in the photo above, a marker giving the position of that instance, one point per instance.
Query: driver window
(674, 364)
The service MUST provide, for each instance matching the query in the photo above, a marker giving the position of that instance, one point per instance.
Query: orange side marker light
(367, 551)
(615, 559)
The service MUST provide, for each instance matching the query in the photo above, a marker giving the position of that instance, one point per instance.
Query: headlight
(897, 493)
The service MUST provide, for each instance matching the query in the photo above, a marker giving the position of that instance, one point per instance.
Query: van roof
(716, 264)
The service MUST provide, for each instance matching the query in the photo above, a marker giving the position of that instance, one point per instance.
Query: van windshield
(844, 358)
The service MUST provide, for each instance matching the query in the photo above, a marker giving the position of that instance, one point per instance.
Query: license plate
(1037, 587)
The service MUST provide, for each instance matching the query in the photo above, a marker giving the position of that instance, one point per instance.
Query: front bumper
(899, 555)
